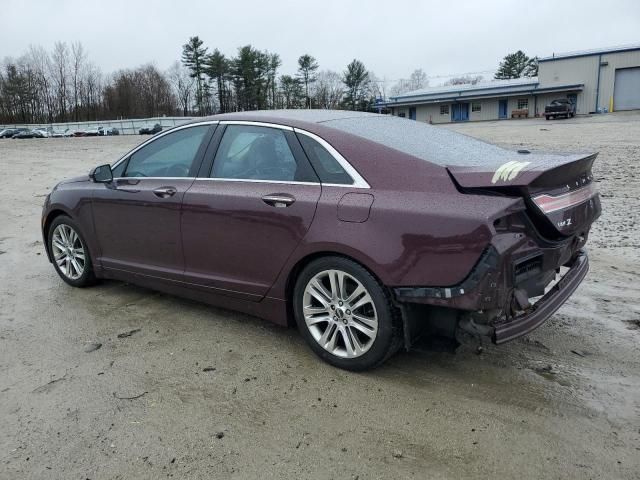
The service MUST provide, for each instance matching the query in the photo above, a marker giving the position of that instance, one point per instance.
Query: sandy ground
(562, 403)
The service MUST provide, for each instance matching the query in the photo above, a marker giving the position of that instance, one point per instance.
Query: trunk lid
(559, 190)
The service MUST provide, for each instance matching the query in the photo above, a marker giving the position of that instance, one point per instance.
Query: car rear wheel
(69, 253)
(345, 314)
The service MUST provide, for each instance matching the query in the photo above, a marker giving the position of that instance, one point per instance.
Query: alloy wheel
(340, 313)
(68, 251)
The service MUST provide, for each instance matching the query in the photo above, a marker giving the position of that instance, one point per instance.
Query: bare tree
(377, 86)
(92, 91)
(40, 63)
(78, 57)
(416, 81)
(464, 80)
(60, 74)
(328, 90)
(183, 85)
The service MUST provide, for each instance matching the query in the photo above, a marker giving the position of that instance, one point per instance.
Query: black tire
(547, 117)
(88, 277)
(388, 338)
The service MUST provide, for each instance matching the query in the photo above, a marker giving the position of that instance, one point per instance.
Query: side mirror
(102, 174)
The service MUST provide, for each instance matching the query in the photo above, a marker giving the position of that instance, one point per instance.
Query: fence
(125, 127)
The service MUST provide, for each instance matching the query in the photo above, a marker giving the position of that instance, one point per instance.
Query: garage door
(626, 94)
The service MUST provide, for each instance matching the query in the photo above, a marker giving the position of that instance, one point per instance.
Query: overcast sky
(392, 38)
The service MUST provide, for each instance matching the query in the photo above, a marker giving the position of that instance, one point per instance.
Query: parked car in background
(94, 132)
(26, 133)
(367, 229)
(110, 131)
(150, 130)
(562, 107)
(58, 134)
(41, 133)
(10, 132)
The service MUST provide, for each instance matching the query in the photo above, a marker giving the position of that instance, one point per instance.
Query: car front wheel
(69, 253)
(345, 314)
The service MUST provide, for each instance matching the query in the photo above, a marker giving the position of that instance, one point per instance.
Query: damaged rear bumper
(485, 290)
(547, 305)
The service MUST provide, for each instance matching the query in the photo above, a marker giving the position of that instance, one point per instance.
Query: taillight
(550, 203)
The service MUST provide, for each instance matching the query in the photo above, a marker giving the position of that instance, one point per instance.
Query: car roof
(418, 139)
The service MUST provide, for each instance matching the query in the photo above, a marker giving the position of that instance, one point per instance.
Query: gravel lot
(224, 395)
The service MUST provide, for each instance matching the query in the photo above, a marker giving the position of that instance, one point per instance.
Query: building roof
(496, 84)
(587, 53)
(496, 88)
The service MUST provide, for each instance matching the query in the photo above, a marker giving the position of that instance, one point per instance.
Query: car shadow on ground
(515, 373)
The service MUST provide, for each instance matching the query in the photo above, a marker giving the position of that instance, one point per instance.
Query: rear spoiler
(522, 170)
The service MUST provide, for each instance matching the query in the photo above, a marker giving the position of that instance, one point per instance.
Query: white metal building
(597, 81)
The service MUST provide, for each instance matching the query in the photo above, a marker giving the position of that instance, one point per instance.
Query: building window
(402, 114)
(476, 107)
(523, 103)
(444, 109)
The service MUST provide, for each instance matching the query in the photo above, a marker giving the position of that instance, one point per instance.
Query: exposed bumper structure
(484, 283)
(547, 305)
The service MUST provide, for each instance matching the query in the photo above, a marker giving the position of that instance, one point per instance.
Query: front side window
(326, 166)
(171, 155)
(258, 153)
(523, 103)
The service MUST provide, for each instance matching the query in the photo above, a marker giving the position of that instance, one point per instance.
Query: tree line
(250, 80)
(63, 84)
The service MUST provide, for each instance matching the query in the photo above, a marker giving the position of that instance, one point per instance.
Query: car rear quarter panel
(409, 239)
(419, 230)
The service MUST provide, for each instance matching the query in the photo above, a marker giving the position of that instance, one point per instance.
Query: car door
(137, 216)
(245, 216)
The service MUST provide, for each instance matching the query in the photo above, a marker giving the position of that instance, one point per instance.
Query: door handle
(164, 192)
(278, 200)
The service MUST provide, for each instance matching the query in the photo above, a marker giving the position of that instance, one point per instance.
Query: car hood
(81, 178)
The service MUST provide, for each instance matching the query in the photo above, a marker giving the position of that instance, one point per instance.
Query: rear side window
(171, 155)
(326, 166)
(258, 153)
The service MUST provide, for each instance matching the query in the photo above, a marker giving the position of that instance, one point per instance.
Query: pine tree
(356, 79)
(274, 64)
(193, 57)
(291, 90)
(217, 67)
(517, 65)
(307, 68)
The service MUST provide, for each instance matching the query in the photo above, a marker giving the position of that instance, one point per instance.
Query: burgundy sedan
(368, 230)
